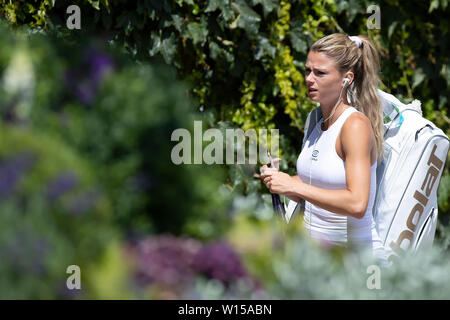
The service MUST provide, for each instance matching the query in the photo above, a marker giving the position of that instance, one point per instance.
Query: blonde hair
(364, 62)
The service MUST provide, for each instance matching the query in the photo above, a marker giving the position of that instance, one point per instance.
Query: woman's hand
(279, 182)
(274, 167)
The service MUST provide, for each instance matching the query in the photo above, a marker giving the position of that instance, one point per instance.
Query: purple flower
(165, 260)
(172, 264)
(12, 169)
(219, 261)
(85, 85)
(100, 64)
(63, 183)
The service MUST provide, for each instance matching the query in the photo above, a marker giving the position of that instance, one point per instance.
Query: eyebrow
(318, 69)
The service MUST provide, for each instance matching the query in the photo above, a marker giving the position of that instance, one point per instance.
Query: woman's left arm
(357, 141)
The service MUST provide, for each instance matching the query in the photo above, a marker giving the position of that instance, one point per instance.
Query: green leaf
(168, 48)
(391, 29)
(214, 50)
(152, 14)
(227, 12)
(264, 46)
(298, 43)
(418, 77)
(433, 5)
(177, 21)
(354, 9)
(213, 5)
(156, 44)
(341, 6)
(248, 19)
(196, 32)
(268, 5)
(447, 74)
(246, 12)
(95, 4)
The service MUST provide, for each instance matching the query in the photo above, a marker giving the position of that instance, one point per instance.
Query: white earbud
(346, 80)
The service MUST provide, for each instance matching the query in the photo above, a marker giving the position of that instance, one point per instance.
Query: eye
(320, 73)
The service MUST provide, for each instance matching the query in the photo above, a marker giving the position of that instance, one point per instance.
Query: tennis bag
(415, 150)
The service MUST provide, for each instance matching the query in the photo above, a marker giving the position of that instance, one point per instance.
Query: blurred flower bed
(85, 163)
(172, 266)
(53, 214)
(86, 179)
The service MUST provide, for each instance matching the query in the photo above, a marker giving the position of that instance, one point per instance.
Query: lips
(311, 90)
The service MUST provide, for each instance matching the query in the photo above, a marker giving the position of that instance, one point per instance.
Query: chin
(314, 97)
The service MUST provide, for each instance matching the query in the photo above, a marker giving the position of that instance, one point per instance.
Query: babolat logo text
(421, 198)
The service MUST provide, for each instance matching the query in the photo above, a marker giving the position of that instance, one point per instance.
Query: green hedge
(245, 58)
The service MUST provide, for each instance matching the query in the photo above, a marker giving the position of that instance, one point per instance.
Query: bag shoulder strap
(311, 121)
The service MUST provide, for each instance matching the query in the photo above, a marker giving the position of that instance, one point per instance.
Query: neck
(330, 114)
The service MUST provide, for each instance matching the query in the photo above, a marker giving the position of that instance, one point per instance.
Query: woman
(337, 165)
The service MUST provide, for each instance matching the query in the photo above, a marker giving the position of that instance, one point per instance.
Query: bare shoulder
(357, 131)
(357, 124)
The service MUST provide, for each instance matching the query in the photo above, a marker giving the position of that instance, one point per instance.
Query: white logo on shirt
(315, 154)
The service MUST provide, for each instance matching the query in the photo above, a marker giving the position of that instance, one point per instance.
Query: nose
(309, 79)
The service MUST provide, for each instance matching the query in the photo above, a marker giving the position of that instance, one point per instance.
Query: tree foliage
(245, 58)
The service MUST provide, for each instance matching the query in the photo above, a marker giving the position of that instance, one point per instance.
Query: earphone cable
(314, 147)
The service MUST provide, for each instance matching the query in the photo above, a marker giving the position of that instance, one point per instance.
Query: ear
(350, 76)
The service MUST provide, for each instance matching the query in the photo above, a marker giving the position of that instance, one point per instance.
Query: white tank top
(328, 172)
